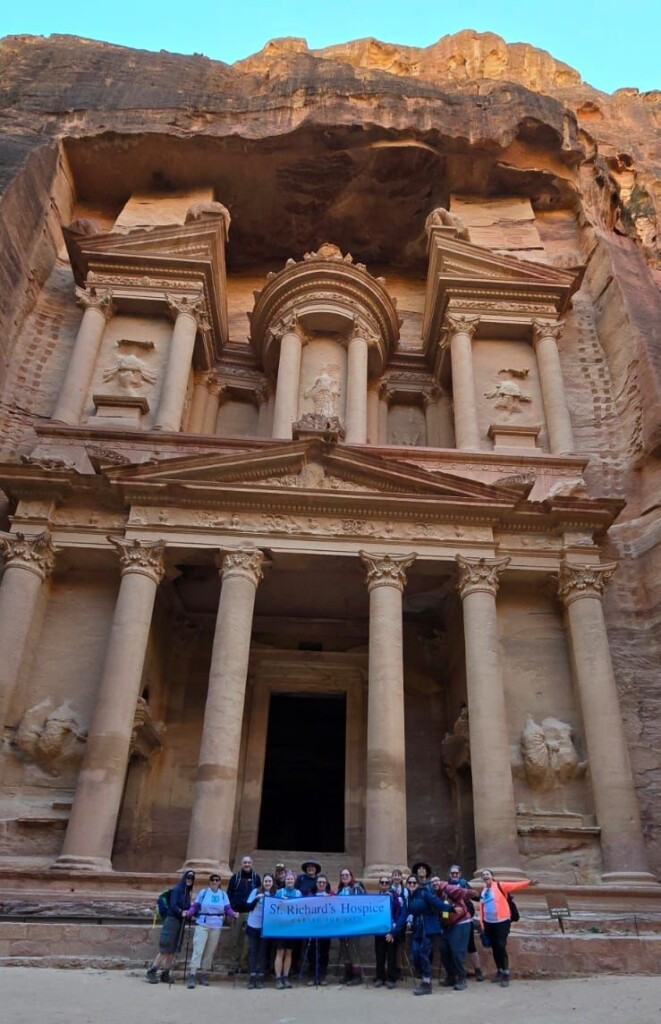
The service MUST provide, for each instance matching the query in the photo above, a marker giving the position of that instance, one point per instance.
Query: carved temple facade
(326, 580)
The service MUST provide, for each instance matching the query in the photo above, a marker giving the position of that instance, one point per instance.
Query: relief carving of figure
(51, 737)
(324, 392)
(409, 433)
(440, 217)
(508, 394)
(130, 372)
(548, 754)
(455, 746)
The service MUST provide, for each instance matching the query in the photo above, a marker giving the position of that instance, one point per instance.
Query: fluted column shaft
(558, 422)
(198, 405)
(373, 414)
(385, 796)
(493, 792)
(212, 408)
(29, 560)
(210, 832)
(99, 309)
(460, 332)
(180, 357)
(91, 831)
(356, 407)
(622, 845)
(287, 386)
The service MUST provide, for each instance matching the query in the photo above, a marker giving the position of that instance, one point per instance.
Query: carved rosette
(36, 554)
(479, 575)
(101, 301)
(576, 581)
(243, 562)
(546, 329)
(459, 324)
(187, 305)
(139, 556)
(386, 570)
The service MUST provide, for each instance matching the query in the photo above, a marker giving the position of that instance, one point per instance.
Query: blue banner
(326, 917)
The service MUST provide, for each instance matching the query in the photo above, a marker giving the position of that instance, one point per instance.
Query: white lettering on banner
(326, 916)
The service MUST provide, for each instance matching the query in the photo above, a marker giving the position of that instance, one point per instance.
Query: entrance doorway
(304, 773)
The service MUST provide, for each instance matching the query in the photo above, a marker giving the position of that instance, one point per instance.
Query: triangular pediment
(306, 468)
(455, 258)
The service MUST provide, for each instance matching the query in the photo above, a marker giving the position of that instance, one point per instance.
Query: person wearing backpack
(497, 911)
(210, 909)
(456, 931)
(240, 885)
(178, 905)
(455, 877)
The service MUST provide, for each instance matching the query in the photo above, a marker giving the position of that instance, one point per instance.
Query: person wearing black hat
(306, 882)
(422, 872)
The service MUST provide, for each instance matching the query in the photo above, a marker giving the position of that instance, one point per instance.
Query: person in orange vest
(496, 919)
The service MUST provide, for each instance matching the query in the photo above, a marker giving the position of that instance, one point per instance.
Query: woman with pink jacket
(496, 919)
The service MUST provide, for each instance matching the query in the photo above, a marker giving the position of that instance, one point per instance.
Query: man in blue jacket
(425, 908)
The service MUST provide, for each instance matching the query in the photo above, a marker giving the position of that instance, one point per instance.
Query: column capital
(479, 575)
(361, 329)
(245, 562)
(546, 329)
(139, 556)
(576, 581)
(386, 570)
(36, 554)
(215, 386)
(102, 301)
(187, 305)
(431, 395)
(288, 324)
(458, 323)
(385, 391)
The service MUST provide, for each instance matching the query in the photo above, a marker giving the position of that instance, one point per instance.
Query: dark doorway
(303, 791)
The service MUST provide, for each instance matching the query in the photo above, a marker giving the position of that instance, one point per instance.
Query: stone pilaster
(210, 835)
(98, 310)
(187, 314)
(493, 792)
(285, 412)
(28, 561)
(373, 413)
(460, 331)
(580, 588)
(199, 402)
(356, 403)
(545, 336)
(216, 389)
(385, 796)
(385, 396)
(432, 425)
(91, 831)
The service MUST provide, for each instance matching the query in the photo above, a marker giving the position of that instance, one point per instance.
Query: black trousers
(258, 951)
(386, 958)
(497, 934)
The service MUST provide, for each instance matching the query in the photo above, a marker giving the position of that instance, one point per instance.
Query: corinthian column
(285, 412)
(493, 793)
(432, 425)
(210, 833)
(216, 389)
(187, 316)
(99, 308)
(373, 413)
(199, 402)
(91, 830)
(622, 847)
(459, 337)
(28, 561)
(385, 394)
(545, 336)
(356, 406)
(385, 797)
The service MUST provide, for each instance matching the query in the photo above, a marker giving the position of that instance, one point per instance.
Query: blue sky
(611, 44)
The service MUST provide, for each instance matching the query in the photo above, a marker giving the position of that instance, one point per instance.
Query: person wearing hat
(422, 872)
(179, 901)
(210, 908)
(279, 873)
(306, 882)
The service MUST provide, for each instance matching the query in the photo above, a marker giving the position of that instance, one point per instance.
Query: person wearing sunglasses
(179, 902)
(386, 952)
(210, 908)
(425, 910)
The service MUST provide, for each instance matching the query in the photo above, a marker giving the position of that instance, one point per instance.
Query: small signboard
(558, 908)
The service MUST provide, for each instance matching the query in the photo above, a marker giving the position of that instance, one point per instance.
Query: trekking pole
(187, 922)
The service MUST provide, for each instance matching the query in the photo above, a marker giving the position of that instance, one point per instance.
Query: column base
(374, 870)
(629, 878)
(70, 862)
(201, 865)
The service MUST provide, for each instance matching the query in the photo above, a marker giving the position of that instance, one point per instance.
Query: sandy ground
(48, 996)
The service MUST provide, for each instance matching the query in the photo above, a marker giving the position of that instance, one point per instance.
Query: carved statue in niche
(508, 394)
(455, 746)
(51, 737)
(440, 217)
(548, 756)
(130, 372)
(409, 432)
(325, 393)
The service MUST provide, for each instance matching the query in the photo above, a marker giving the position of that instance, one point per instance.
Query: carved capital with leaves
(456, 323)
(93, 298)
(546, 329)
(243, 562)
(386, 570)
(36, 554)
(188, 305)
(576, 581)
(140, 556)
(479, 575)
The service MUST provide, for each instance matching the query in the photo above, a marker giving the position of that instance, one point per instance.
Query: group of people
(438, 913)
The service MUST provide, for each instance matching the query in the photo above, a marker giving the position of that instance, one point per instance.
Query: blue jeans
(421, 952)
(454, 943)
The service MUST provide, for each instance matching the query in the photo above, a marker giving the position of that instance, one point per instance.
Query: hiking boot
(190, 981)
(448, 983)
(505, 979)
(478, 974)
(322, 980)
(252, 981)
(355, 979)
(152, 976)
(204, 980)
(496, 979)
(165, 977)
(460, 986)
(423, 989)
(260, 981)
(286, 983)
(391, 984)
(280, 983)
(379, 983)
